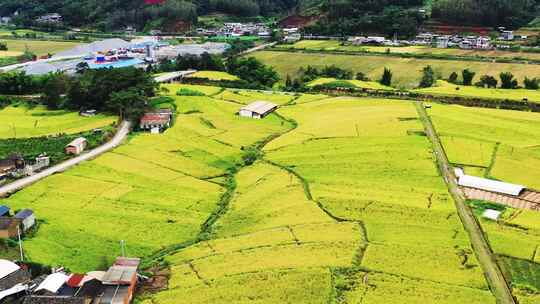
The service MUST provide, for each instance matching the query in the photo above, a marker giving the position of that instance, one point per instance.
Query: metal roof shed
(53, 282)
(258, 109)
(7, 268)
(120, 275)
(4, 210)
(490, 185)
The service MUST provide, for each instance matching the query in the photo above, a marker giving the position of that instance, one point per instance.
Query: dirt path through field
(498, 285)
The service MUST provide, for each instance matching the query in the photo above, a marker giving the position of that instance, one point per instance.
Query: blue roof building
(4, 210)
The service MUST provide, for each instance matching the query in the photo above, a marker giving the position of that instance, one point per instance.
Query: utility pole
(20, 243)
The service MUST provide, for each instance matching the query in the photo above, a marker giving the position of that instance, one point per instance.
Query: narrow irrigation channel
(498, 284)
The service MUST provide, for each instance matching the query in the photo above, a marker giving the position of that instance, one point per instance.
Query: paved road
(258, 48)
(28, 63)
(498, 285)
(122, 133)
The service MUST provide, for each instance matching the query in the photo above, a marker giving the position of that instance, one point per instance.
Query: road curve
(121, 134)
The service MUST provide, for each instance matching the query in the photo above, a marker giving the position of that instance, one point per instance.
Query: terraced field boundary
(495, 278)
(230, 185)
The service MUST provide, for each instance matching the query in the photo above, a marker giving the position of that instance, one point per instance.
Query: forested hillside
(114, 14)
(401, 17)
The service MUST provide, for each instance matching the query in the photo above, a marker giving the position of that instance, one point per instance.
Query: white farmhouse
(258, 109)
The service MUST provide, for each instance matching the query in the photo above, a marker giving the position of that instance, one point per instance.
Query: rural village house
(258, 109)
(11, 274)
(157, 121)
(77, 146)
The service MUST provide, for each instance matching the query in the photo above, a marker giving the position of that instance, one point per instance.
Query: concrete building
(258, 109)
(77, 146)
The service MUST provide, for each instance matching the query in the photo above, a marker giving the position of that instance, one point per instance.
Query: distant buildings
(50, 18)
(77, 146)
(257, 110)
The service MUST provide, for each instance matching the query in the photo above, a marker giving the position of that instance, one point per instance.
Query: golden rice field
(357, 83)
(407, 72)
(333, 45)
(21, 122)
(214, 75)
(153, 192)
(444, 88)
(341, 198)
(343, 205)
(38, 47)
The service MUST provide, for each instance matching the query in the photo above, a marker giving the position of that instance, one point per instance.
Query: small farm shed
(8, 227)
(490, 185)
(491, 214)
(258, 109)
(27, 218)
(4, 210)
(77, 146)
(157, 121)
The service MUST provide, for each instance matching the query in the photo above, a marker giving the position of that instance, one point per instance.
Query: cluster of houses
(237, 29)
(52, 18)
(15, 166)
(115, 286)
(12, 226)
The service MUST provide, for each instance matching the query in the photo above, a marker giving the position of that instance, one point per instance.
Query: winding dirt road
(121, 134)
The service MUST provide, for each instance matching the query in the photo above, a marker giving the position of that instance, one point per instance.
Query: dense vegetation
(124, 91)
(512, 13)
(351, 17)
(117, 14)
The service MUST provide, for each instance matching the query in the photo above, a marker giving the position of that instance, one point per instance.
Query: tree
(508, 81)
(386, 78)
(453, 77)
(3, 46)
(361, 76)
(468, 77)
(81, 67)
(531, 84)
(428, 78)
(54, 89)
(487, 81)
(288, 81)
(252, 71)
(129, 104)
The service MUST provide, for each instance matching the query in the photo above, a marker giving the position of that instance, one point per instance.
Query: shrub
(468, 77)
(386, 78)
(531, 84)
(428, 78)
(3, 46)
(487, 81)
(361, 76)
(453, 77)
(508, 81)
(189, 92)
